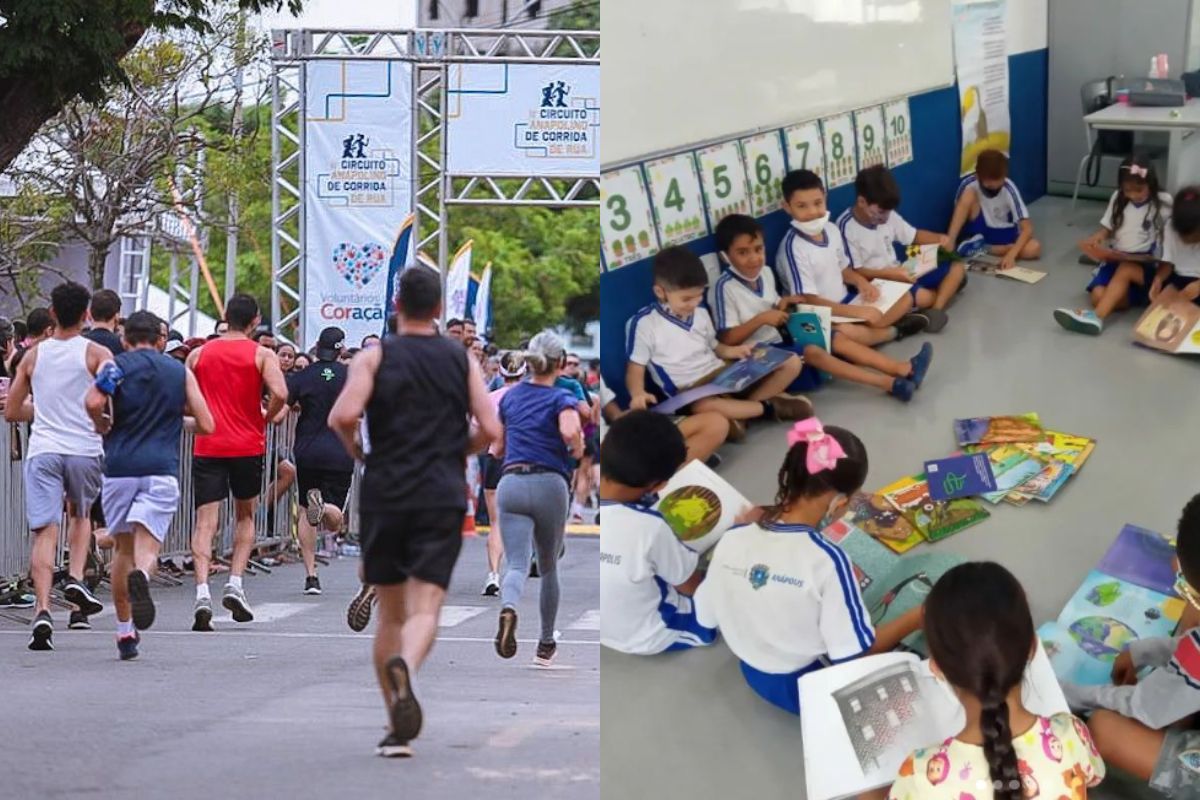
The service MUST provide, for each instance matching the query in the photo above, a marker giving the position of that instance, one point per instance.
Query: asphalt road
(287, 706)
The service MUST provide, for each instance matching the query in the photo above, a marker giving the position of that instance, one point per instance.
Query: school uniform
(678, 353)
(1183, 257)
(1000, 216)
(1138, 234)
(807, 266)
(787, 602)
(874, 246)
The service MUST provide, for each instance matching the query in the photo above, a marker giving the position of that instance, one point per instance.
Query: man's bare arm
(352, 402)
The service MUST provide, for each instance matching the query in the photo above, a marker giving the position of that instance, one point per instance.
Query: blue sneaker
(127, 646)
(920, 364)
(972, 246)
(903, 389)
(1079, 320)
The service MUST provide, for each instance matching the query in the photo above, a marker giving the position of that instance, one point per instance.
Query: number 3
(616, 205)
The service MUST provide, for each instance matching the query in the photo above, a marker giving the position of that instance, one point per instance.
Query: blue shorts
(1000, 236)
(1181, 282)
(931, 280)
(682, 620)
(1138, 295)
(780, 690)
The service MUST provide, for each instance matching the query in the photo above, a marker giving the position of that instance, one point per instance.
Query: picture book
(988, 264)
(731, 380)
(998, 430)
(960, 476)
(1171, 324)
(933, 519)
(699, 506)
(1065, 447)
(811, 325)
(875, 515)
(1046, 483)
(920, 259)
(889, 293)
(863, 717)
(1012, 466)
(1143, 558)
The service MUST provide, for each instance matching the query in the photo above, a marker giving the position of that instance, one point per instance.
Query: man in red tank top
(232, 371)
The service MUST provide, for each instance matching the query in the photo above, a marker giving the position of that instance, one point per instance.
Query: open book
(1171, 324)
(810, 325)
(699, 506)
(737, 376)
(922, 259)
(989, 264)
(890, 293)
(862, 718)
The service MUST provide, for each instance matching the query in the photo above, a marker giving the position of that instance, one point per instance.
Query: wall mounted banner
(358, 191)
(524, 119)
(981, 59)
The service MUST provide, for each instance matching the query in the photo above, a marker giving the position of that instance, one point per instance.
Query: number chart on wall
(764, 167)
(724, 181)
(625, 221)
(899, 132)
(837, 133)
(868, 129)
(676, 200)
(805, 150)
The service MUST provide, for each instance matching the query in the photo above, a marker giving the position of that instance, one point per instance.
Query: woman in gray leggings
(542, 431)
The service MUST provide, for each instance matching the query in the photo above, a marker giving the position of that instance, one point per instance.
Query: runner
(323, 467)
(542, 432)
(418, 390)
(512, 370)
(232, 371)
(65, 452)
(148, 394)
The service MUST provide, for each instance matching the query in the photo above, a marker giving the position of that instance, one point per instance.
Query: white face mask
(813, 226)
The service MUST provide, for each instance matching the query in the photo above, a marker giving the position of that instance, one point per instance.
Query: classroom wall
(927, 183)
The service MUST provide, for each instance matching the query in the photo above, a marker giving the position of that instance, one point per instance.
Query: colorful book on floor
(876, 516)
(988, 264)
(1012, 466)
(933, 519)
(920, 259)
(1143, 558)
(1171, 324)
(960, 476)
(699, 506)
(731, 380)
(1046, 483)
(863, 717)
(998, 430)
(1065, 447)
(890, 293)
(811, 325)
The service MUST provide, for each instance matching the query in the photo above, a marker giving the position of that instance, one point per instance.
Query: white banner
(458, 284)
(358, 191)
(483, 302)
(524, 119)
(981, 58)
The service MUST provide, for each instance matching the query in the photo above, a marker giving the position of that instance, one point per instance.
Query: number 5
(724, 187)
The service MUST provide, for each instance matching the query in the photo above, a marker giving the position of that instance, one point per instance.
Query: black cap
(329, 343)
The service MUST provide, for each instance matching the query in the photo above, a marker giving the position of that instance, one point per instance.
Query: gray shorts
(150, 501)
(1177, 773)
(50, 476)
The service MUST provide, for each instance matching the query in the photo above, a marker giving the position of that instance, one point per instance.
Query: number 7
(803, 148)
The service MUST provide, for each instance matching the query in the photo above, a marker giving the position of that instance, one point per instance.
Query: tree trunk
(97, 259)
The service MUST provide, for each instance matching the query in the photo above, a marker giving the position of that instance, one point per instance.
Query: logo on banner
(560, 126)
(358, 264)
(555, 95)
(354, 146)
(363, 176)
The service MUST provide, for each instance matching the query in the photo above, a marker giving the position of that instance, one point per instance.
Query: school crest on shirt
(758, 575)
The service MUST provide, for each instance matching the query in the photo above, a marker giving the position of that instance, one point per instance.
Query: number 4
(674, 197)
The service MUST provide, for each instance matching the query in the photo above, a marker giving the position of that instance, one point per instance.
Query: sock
(124, 628)
(202, 592)
(235, 581)
(768, 409)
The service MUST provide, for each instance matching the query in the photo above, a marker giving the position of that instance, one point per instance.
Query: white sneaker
(234, 599)
(492, 587)
(1079, 320)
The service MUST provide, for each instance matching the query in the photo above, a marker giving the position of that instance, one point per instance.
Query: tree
(52, 51)
(30, 235)
(581, 15)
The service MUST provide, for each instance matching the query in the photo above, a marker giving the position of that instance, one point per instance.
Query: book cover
(920, 259)
(960, 476)
(1065, 447)
(699, 506)
(933, 519)
(1143, 558)
(998, 430)
(1012, 467)
(1046, 483)
(875, 515)
(810, 325)
(734, 378)
(1170, 324)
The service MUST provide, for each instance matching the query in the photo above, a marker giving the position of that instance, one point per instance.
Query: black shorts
(492, 467)
(1181, 282)
(420, 544)
(214, 478)
(334, 485)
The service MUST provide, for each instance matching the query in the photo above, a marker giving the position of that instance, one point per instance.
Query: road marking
(269, 612)
(590, 621)
(456, 615)
(248, 632)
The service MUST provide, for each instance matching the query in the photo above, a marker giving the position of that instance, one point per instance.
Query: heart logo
(359, 263)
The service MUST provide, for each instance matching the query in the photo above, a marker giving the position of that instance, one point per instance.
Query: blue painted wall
(927, 185)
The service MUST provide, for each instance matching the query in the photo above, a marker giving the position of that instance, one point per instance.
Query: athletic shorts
(1181, 282)
(1175, 774)
(419, 543)
(931, 280)
(993, 236)
(214, 478)
(49, 477)
(781, 690)
(492, 469)
(334, 485)
(1138, 295)
(150, 501)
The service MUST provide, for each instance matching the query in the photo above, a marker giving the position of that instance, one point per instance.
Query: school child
(784, 597)
(812, 262)
(1132, 225)
(871, 229)
(703, 433)
(981, 637)
(990, 214)
(1135, 724)
(647, 576)
(1180, 265)
(676, 340)
(748, 309)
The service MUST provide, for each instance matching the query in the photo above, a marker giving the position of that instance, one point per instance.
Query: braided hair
(980, 631)
(1126, 177)
(795, 481)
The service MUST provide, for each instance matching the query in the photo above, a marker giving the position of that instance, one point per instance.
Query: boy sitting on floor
(990, 214)
(748, 309)
(675, 338)
(871, 229)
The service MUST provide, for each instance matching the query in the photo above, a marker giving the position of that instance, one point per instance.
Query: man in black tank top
(419, 391)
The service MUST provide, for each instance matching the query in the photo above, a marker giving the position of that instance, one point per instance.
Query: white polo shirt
(641, 563)
(873, 246)
(1004, 210)
(806, 266)
(1183, 256)
(736, 300)
(783, 597)
(676, 352)
(1137, 233)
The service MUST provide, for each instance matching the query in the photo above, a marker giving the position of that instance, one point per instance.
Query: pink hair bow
(1137, 171)
(823, 450)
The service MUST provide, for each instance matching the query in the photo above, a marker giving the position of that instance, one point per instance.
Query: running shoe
(506, 633)
(910, 325)
(972, 246)
(79, 622)
(139, 598)
(902, 389)
(234, 599)
(393, 746)
(1079, 320)
(127, 646)
(15, 598)
(358, 615)
(316, 506)
(80, 595)
(406, 711)
(202, 615)
(545, 654)
(920, 364)
(43, 631)
(492, 587)
(312, 585)
(937, 319)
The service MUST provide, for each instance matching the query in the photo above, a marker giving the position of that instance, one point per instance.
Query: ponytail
(998, 749)
(797, 481)
(539, 363)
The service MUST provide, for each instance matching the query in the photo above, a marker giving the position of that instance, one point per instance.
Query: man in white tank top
(65, 456)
